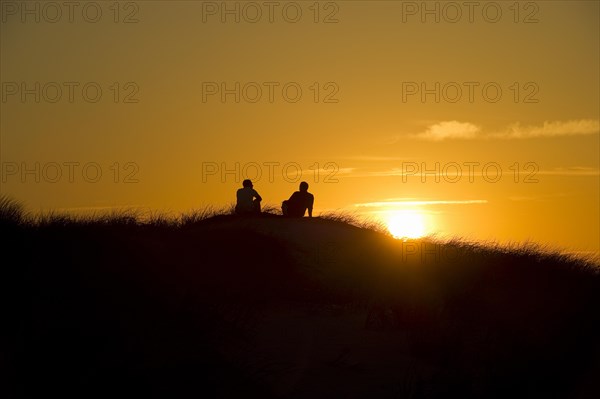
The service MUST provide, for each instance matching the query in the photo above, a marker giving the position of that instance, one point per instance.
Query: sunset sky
(172, 102)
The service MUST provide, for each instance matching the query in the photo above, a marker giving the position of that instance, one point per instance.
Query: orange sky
(153, 95)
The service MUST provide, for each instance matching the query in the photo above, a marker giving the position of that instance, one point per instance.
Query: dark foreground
(267, 307)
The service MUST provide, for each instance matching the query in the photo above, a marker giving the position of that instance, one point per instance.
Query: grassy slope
(289, 308)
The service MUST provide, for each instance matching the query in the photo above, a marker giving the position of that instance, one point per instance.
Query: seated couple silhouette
(248, 201)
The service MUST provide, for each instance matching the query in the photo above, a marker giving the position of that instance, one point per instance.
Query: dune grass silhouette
(213, 305)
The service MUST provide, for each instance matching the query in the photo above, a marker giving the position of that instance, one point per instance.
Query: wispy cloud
(412, 202)
(378, 173)
(376, 158)
(566, 171)
(332, 171)
(551, 129)
(448, 130)
(571, 171)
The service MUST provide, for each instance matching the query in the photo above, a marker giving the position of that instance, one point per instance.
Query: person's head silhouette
(247, 183)
(304, 186)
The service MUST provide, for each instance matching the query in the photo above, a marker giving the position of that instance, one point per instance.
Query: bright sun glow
(406, 224)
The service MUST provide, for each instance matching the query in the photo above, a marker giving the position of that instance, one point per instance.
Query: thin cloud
(551, 129)
(448, 130)
(379, 173)
(332, 171)
(379, 204)
(376, 158)
(572, 171)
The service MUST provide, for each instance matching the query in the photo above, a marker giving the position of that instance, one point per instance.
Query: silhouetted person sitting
(299, 202)
(248, 200)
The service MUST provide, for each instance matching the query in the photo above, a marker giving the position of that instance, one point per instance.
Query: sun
(406, 224)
